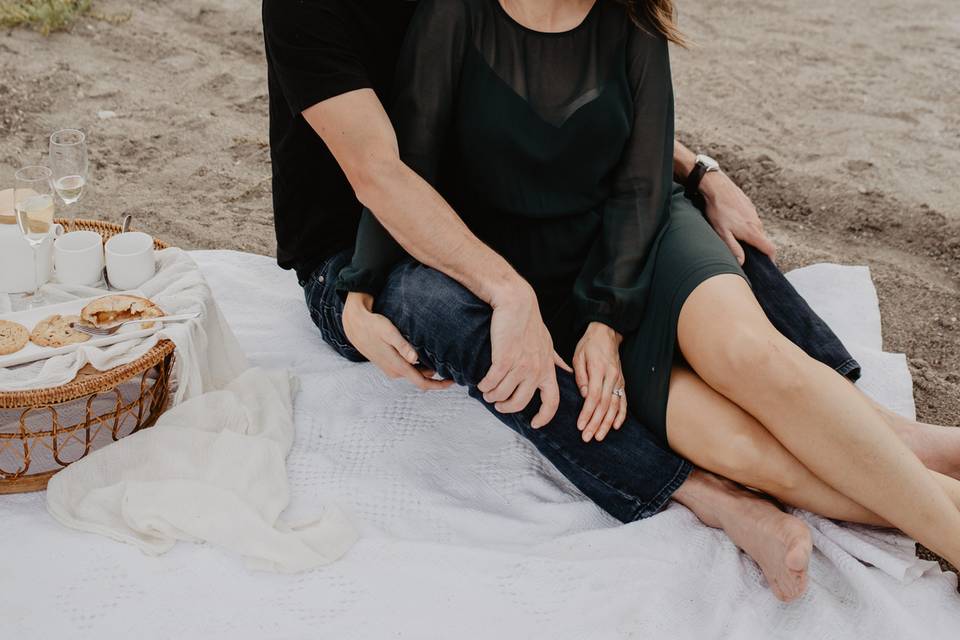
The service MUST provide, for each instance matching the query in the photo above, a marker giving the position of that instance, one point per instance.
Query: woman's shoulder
(626, 22)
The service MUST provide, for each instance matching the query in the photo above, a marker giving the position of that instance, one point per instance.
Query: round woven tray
(44, 430)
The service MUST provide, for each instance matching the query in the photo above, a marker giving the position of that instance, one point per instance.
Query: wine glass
(68, 161)
(33, 203)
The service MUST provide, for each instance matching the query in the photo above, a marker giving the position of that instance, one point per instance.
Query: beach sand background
(840, 119)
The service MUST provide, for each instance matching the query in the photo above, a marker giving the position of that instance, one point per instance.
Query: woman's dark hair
(657, 15)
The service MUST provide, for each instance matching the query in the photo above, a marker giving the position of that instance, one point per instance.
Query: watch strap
(692, 186)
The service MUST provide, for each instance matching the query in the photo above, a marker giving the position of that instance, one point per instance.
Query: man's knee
(434, 299)
(438, 315)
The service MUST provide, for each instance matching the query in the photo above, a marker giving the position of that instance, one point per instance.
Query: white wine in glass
(33, 202)
(68, 161)
(69, 188)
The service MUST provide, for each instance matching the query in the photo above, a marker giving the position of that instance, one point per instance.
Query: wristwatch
(703, 166)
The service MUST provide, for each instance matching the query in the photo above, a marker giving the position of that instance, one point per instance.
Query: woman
(549, 126)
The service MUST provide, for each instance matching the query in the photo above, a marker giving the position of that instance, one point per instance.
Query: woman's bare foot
(937, 446)
(779, 542)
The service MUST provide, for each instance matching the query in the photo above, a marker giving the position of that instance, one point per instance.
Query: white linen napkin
(213, 469)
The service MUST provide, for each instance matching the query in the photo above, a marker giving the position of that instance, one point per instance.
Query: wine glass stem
(74, 207)
(36, 273)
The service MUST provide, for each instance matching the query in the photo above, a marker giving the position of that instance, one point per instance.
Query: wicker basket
(44, 430)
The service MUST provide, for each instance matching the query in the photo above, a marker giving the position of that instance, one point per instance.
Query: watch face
(708, 162)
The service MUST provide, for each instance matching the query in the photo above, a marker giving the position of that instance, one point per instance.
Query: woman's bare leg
(937, 446)
(830, 427)
(715, 434)
(718, 436)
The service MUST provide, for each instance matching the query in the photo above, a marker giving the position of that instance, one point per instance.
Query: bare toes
(798, 557)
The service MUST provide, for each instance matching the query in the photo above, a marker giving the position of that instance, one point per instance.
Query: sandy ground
(841, 120)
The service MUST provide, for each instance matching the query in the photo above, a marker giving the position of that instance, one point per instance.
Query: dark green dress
(556, 150)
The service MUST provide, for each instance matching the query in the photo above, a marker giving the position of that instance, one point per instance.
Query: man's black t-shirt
(317, 49)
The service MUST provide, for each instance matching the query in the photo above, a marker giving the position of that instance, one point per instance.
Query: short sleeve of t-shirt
(313, 50)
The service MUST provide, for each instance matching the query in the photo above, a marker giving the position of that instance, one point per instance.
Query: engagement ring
(618, 393)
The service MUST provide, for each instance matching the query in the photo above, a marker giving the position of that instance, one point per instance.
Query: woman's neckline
(519, 25)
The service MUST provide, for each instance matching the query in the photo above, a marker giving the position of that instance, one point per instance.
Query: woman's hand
(381, 343)
(596, 365)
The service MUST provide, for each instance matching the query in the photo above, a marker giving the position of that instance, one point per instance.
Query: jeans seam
(655, 504)
(325, 314)
(344, 345)
(847, 366)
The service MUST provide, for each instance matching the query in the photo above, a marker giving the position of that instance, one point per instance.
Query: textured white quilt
(467, 532)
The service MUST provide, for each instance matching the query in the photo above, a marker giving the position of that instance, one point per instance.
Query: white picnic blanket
(467, 532)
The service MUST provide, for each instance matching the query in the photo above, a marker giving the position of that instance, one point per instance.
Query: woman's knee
(728, 340)
(754, 357)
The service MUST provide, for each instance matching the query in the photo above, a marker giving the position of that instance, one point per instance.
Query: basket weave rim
(86, 384)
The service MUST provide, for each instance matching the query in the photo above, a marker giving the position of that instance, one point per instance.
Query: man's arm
(359, 134)
(729, 210)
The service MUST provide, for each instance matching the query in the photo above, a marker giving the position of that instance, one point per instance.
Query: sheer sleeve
(427, 75)
(612, 287)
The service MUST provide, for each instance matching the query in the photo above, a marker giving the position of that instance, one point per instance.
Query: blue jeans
(630, 475)
(792, 316)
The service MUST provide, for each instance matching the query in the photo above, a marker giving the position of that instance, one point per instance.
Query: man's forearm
(358, 132)
(432, 232)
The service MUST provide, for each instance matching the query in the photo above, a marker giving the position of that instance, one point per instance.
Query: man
(330, 65)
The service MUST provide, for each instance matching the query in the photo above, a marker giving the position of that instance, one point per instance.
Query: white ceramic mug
(17, 270)
(130, 260)
(78, 257)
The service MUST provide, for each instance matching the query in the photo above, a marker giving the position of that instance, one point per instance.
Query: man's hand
(523, 358)
(381, 343)
(596, 363)
(733, 216)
